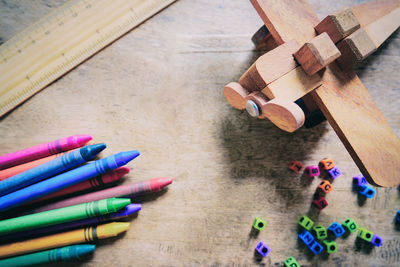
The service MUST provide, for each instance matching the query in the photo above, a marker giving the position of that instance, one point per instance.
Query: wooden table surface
(158, 89)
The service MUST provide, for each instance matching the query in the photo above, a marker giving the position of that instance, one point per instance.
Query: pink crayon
(43, 150)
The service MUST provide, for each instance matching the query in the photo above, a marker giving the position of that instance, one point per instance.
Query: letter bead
(398, 216)
(306, 222)
(325, 186)
(320, 203)
(328, 163)
(335, 172)
(367, 191)
(376, 240)
(296, 166)
(313, 171)
(316, 247)
(350, 225)
(331, 246)
(306, 237)
(259, 224)
(291, 262)
(336, 229)
(320, 232)
(365, 234)
(359, 180)
(263, 249)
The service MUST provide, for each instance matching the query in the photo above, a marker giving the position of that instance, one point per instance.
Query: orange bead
(325, 186)
(296, 166)
(328, 163)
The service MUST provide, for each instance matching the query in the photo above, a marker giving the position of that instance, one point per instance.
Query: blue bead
(316, 248)
(306, 237)
(367, 191)
(336, 229)
(263, 249)
(398, 216)
(376, 240)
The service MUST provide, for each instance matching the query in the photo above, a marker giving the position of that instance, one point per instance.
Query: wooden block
(262, 72)
(285, 115)
(371, 11)
(382, 28)
(355, 48)
(317, 54)
(338, 25)
(292, 85)
(235, 94)
(263, 39)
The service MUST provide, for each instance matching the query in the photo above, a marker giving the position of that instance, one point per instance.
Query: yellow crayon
(83, 235)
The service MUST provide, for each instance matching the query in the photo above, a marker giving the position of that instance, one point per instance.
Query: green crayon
(49, 256)
(63, 215)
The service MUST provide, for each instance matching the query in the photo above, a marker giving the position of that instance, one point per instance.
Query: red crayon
(126, 190)
(43, 150)
(98, 181)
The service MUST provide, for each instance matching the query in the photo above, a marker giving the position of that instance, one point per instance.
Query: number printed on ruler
(61, 40)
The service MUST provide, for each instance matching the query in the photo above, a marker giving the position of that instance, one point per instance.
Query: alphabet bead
(320, 203)
(320, 232)
(313, 171)
(316, 247)
(350, 225)
(306, 237)
(306, 222)
(325, 186)
(291, 262)
(331, 246)
(376, 240)
(398, 216)
(365, 234)
(263, 249)
(328, 163)
(335, 172)
(296, 166)
(367, 191)
(259, 224)
(359, 180)
(336, 229)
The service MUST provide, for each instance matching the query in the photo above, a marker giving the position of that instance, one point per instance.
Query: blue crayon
(66, 179)
(50, 168)
(123, 213)
(49, 256)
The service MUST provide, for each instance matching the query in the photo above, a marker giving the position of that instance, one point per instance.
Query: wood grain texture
(338, 25)
(359, 153)
(159, 90)
(235, 94)
(370, 11)
(270, 66)
(317, 53)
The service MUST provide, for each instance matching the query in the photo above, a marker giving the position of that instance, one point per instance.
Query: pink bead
(313, 171)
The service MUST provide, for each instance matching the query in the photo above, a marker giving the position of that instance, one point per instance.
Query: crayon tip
(125, 212)
(121, 171)
(89, 152)
(123, 158)
(80, 250)
(114, 228)
(157, 184)
(82, 139)
(114, 204)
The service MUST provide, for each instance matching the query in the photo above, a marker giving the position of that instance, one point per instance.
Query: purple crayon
(125, 212)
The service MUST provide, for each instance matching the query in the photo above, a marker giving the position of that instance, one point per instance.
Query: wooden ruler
(63, 39)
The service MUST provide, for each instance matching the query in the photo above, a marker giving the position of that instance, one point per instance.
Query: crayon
(6, 173)
(66, 179)
(51, 168)
(92, 184)
(43, 150)
(49, 256)
(63, 215)
(123, 213)
(125, 190)
(77, 236)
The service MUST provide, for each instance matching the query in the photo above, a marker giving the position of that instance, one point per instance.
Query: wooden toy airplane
(310, 62)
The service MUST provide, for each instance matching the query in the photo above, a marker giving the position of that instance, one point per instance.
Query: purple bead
(263, 249)
(376, 240)
(335, 172)
(359, 180)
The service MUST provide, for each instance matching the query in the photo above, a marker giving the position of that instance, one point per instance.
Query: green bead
(259, 224)
(306, 222)
(365, 234)
(331, 246)
(291, 262)
(350, 225)
(320, 232)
